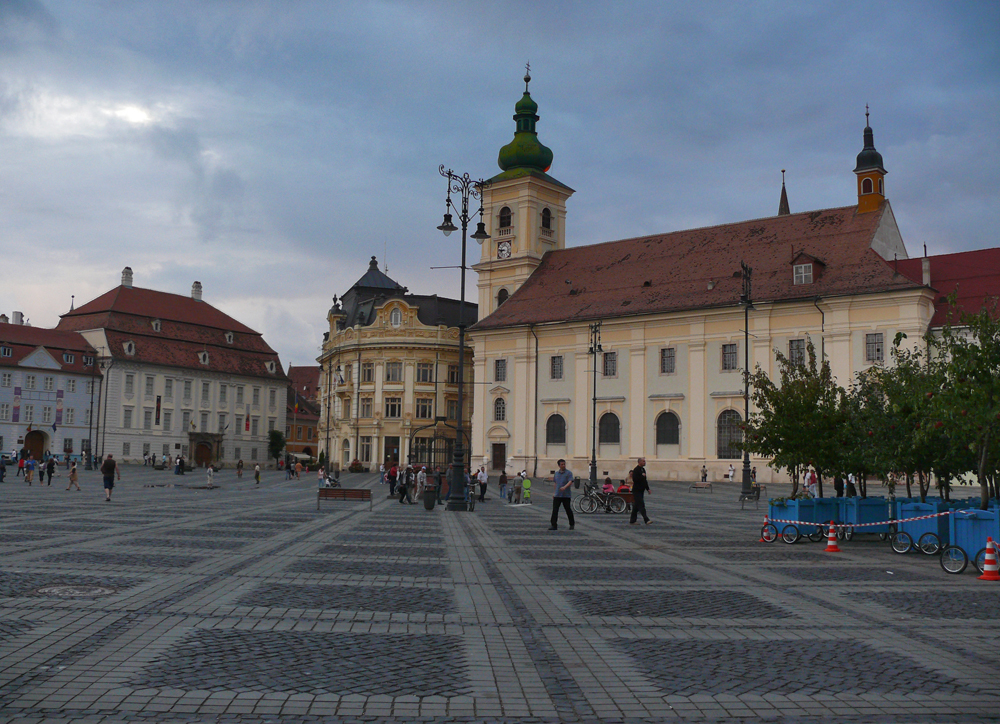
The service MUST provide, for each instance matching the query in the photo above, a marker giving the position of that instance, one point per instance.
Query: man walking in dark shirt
(563, 479)
(639, 489)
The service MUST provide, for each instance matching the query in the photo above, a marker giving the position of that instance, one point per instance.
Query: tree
(275, 444)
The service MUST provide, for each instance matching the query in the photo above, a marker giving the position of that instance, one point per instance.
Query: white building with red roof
(48, 385)
(181, 377)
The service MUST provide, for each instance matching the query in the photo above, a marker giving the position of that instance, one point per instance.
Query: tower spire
(783, 209)
(870, 171)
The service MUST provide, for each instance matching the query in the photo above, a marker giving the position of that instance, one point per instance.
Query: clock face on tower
(503, 250)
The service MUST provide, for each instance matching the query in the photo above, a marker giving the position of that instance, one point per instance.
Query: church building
(636, 347)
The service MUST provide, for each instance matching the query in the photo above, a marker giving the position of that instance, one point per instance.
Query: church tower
(871, 174)
(524, 210)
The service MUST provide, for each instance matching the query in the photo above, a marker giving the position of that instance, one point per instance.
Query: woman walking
(74, 476)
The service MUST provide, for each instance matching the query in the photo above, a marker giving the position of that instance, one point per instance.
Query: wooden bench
(701, 486)
(344, 494)
(628, 497)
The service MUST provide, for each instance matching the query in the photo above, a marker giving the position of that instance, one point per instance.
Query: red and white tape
(860, 525)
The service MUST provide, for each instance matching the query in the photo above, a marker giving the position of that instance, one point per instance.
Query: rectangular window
(272, 398)
(166, 449)
(347, 408)
(46, 414)
(366, 449)
(222, 422)
(802, 274)
(86, 416)
(6, 351)
(186, 422)
(253, 453)
(69, 416)
(206, 391)
(239, 395)
(147, 419)
(4, 411)
(88, 360)
(68, 445)
(298, 432)
(452, 409)
(149, 386)
(668, 361)
(49, 384)
(393, 371)
(89, 389)
(288, 431)
(367, 371)
(238, 453)
(729, 357)
(425, 407)
(69, 358)
(126, 449)
(187, 389)
(309, 434)
(556, 367)
(5, 379)
(240, 425)
(29, 413)
(797, 351)
(255, 426)
(129, 384)
(29, 382)
(127, 419)
(256, 396)
(500, 370)
(425, 372)
(348, 373)
(167, 418)
(204, 422)
(168, 389)
(452, 374)
(271, 422)
(145, 449)
(71, 385)
(393, 407)
(610, 364)
(222, 394)
(366, 407)
(874, 351)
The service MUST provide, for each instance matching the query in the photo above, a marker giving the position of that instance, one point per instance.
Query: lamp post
(746, 299)
(465, 187)
(595, 349)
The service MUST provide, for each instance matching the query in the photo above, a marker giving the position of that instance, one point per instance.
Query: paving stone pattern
(245, 604)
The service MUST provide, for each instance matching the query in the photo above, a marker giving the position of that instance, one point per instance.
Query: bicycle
(592, 500)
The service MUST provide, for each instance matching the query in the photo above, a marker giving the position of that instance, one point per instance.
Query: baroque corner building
(389, 375)
(669, 375)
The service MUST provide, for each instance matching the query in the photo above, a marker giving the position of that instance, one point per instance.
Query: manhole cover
(70, 591)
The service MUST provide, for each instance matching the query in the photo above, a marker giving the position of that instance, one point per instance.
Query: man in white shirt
(483, 479)
(421, 482)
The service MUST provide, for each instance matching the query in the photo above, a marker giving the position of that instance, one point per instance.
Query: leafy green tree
(275, 444)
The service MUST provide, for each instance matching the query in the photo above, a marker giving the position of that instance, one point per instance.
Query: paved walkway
(177, 604)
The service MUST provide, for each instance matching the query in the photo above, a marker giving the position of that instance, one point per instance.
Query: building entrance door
(392, 449)
(34, 441)
(203, 455)
(499, 456)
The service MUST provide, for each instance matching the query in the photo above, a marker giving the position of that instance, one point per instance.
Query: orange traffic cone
(762, 531)
(831, 541)
(991, 571)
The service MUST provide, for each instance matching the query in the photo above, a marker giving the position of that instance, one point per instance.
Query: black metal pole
(746, 489)
(595, 347)
(89, 463)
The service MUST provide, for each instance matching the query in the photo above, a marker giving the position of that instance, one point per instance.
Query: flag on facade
(248, 423)
(54, 428)
(340, 379)
(296, 400)
(29, 426)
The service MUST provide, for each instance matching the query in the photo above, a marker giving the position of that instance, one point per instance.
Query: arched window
(881, 187)
(395, 317)
(502, 296)
(668, 429)
(555, 430)
(866, 186)
(546, 219)
(608, 429)
(729, 435)
(505, 217)
(499, 410)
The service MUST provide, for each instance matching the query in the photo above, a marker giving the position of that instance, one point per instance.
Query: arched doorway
(203, 455)
(35, 442)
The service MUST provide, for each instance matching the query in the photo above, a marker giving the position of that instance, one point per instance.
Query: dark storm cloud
(301, 138)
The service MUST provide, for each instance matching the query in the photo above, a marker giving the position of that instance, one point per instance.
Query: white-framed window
(46, 414)
(5, 379)
(229, 337)
(396, 317)
(610, 364)
(204, 422)
(499, 409)
(271, 423)
(29, 382)
(393, 407)
(452, 409)
(4, 411)
(556, 367)
(239, 395)
(668, 360)
(206, 391)
(126, 449)
(129, 348)
(71, 385)
(129, 384)
(147, 419)
(69, 358)
(347, 408)
(730, 357)
(222, 422)
(425, 372)
(203, 357)
(127, 418)
(168, 388)
(88, 360)
(394, 371)
(167, 419)
(255, 426)
(253, 453)
(48, 383)
(256, 396)
(29, 413)
(802, 274)
(89, 387)
(145, 449)
(223, 390)
(156, 325)
(298, 432)
(367, 372)
(500, 370)
(453, 375)
(874, 347)
(69, 416)
(6, 351)
(366, 407)
(187, 389)
(240, 425)
(86, 416)
(149, 386)
(797, 351)
(424, 408)
(365, 449)
(186, 422)
(272, 398)
(866, 186)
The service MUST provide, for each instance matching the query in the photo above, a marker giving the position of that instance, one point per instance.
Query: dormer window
(156, 325)
(396, 317)
(129, 348)
(6, 352)
(802, 274)
(88, 361)
(229, 337)
(270, 367)
(69, 358)
(203, 357)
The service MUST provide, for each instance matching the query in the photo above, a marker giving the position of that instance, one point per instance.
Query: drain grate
(68, 590)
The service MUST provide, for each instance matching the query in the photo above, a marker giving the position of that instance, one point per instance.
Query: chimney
(196, 291)
(4, 319)
(127, 277)
(925, 267)
(18, 318)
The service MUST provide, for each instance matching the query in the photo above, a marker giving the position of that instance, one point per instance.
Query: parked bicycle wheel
(902, 542)
(953, 559)
(848, 532)
(577, 499)
(769, 533)
(588, 505)
(980, 560)
(929, 543)
(790, 534)
(818, 535)
(617, 504)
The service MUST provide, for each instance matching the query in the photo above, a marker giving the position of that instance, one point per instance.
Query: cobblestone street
(175, 603)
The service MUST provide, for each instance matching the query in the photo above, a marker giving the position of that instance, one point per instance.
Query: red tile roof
(973, 275)
(24, 340)
(305, 380)
(700, 268)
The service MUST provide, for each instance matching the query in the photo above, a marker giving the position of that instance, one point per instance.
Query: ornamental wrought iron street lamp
(465, 187)
(746, 299)
(595, 349)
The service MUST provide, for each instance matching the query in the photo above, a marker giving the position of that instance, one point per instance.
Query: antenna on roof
(925, 249)
(72, 297)
(385, 264)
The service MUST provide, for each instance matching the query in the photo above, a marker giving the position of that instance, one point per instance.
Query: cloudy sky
(268, 149)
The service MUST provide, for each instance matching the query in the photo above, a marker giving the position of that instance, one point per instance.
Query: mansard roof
(24, 340)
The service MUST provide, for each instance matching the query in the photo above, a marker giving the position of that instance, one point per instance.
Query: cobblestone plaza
(174, 603)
